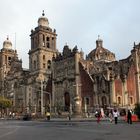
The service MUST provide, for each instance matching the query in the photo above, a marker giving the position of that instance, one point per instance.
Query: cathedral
(66, 81)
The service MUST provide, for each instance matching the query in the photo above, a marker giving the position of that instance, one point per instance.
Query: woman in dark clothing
(129, 117)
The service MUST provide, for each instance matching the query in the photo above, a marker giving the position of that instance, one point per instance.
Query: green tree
(5, 103)
(137, 110)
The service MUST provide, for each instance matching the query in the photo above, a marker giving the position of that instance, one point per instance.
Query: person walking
(115, 114)
(48, 115)
(129, 117)
(69, 116)
(98, 116)
(110, 115)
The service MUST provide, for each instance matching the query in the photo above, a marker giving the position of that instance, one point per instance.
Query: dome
(7, 44)
(43, 21)
(100, 53)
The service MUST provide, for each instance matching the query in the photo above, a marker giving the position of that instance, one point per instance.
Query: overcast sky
(77, 22)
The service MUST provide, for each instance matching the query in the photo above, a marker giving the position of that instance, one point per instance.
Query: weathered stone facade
(66, 81)
(30, 89)
(69, 78)
(116, 82)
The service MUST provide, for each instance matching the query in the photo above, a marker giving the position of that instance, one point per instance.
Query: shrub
(5, 103)
(137, 110)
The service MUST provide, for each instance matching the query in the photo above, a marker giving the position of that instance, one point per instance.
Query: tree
(5, 103)
(137, 110)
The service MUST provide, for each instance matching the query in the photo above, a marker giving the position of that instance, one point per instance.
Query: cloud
(77, 23)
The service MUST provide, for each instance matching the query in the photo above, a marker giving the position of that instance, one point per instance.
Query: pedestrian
(13, 115)
(48, 115)
(129, 117)
(110, 115)
(69, 116)
(115, 114)
(102, 113)
(98, 114)
(10, 114)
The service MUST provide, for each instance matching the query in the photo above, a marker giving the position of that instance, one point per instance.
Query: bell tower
(6, 55)
(43, 47)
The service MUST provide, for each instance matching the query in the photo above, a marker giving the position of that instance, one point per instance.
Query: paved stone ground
(60, 129)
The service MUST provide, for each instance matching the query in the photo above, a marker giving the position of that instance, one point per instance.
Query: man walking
(129, 117)
(115, 114)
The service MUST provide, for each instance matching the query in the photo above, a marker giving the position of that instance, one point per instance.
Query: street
(67, 130)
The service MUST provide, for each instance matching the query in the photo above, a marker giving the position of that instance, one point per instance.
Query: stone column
(112, 92)
(41, 40)
(54, 43)
(137, 58)
(42, 101)
(124, 91)
(77, 98)
(96, 96)
(32, 43)
(39, 63)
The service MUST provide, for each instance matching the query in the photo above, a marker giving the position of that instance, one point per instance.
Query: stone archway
(67, 101)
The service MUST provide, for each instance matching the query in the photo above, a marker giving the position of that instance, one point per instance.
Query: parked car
(27, 117)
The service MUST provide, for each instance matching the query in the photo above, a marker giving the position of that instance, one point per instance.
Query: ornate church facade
(66, 81)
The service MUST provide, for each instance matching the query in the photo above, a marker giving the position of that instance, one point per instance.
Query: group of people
(113, 115)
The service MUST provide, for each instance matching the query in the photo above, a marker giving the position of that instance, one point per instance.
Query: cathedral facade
(66, 81)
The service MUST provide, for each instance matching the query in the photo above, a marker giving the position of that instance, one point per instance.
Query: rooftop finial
(98, 37)
(134, 44)
(7, 37)
(43, 14)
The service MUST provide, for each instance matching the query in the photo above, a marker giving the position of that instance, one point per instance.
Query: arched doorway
(67, 101)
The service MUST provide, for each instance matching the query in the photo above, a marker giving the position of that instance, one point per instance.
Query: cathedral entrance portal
(67, 101)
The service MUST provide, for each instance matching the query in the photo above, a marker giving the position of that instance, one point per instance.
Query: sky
(77, 22)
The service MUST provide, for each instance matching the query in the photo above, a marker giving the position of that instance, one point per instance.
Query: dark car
(26, 117)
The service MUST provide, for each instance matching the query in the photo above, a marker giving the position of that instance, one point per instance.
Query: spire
(15, 41)
(134, 44)
(43, 21)
(99, 42)
(43, 14)
(98, 37)
(7, 37)
(66, 44)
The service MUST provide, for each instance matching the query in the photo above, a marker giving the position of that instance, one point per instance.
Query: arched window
(44, 65)
(9, 60)
(43, 41)
(34, 64)
(49, 64)
(131, 100)
(87, 101)
(48, 45)
(119, 100)
(48, 42)
(43, 57)
(67, 101)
